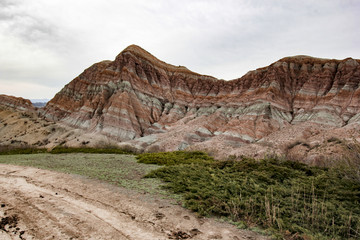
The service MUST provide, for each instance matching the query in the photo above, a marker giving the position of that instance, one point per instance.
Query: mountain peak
(137, 49)
(143, 54)
(153, 105)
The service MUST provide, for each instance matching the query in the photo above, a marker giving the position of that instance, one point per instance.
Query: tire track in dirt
(50, 205)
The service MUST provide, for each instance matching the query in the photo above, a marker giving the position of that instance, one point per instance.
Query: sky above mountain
(45, 44)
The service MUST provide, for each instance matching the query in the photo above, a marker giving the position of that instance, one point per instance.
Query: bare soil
(41, 204)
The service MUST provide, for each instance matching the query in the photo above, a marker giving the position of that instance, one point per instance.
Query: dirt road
(40, 204)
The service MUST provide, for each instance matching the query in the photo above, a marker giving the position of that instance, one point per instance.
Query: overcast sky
(44, 44)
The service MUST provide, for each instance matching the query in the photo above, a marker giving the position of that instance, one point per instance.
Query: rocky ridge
(17, 103)
(154, 106)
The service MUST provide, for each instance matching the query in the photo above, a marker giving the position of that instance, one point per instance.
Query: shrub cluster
(6, 150)
(174, 158)
(58, 150)
(287, 198)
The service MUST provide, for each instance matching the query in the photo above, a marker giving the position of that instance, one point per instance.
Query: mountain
(292, 107)
(40, 100)
(39, 103)
(16, 103)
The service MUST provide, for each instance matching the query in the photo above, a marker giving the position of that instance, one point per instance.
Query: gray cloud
(5, 9)
(31, 29)
(16, 21)
(8, 3)
(48, 43)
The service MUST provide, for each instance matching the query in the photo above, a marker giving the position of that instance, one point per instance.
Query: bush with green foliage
(287, 198)
(20, 150)
(8, 150)
(58, 150)
(174, 158)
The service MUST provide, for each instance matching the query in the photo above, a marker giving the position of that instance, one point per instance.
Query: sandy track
(40, 204)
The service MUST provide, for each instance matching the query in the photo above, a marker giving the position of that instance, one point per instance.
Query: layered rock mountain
(17, 103)
(154, 106)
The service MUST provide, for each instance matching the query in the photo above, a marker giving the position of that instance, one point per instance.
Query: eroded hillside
(295, 106)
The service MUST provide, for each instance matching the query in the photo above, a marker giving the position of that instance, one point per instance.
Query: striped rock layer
(17, 103)
(138, 97)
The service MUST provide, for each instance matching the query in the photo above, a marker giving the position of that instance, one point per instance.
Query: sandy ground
(40, 204)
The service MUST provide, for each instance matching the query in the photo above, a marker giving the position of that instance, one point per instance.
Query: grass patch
(59, 150)
(174, 158)
(7, 150)
(121, 170)
(289, 199)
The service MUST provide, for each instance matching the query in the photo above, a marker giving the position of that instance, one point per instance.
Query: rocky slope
(163, 107)
(16, 103)
(291, 107)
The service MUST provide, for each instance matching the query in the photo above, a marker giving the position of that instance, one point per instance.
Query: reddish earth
(40, 204)
(300, 107)
(18, 103)
(139, 102)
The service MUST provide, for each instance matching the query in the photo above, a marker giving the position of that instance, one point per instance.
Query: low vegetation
(6, 150)
(174, 158)
(59, 150)
(121, 170)
(350, 164)
(284, 198)
(288, 199)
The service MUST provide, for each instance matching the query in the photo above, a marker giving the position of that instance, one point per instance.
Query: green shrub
(58, 150)
(7, 150)
(174, 158)
(282, 196)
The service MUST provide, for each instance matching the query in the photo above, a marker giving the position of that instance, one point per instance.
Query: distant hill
(39, 102)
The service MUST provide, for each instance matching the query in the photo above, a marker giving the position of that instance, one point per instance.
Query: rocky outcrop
(20, 125)
(16, 103)
(141, 99)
